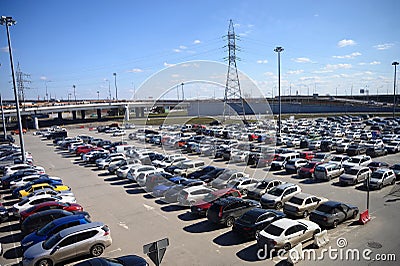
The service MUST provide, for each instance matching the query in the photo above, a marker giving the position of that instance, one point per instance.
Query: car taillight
(325, 218)
(106, 230)
(186, 196)
(246, 228)
(220, 213)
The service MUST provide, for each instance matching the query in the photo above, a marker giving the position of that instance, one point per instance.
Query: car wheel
(287, 246)
(335, 223)
(354, 215)
(316, 232)
(97, 250)
(278, 205)
(305, 214)
(229, 221)
(44, 262)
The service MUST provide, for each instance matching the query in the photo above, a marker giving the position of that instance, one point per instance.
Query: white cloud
(295, 72)
(321, 71)
(196, 42)
(43, 78)
(269, 74)
(135, 70)
(182, 47)
(177, 50)
(168, 65)
(337, 66)
(345, 42)
(384, 46)
(302, 60)
(352, 55)
(175, 75)
(370, 63)
(265, 61)
(368, 73)
(4, 49)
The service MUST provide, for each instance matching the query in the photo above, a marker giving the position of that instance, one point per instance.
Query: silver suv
(381, 178)
(76, 241)
(276, 197)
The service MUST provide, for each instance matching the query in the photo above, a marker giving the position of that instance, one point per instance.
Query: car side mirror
(55, 250)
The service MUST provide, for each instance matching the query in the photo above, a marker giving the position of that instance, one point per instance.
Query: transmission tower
(233, 95)
(22, 78)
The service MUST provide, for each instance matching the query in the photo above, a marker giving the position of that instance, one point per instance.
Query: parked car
(52, 228)
(331, 213)
(243, 184)
(222, 180)
(356, 149)
(28, 202)
(376, 151)
(293, 165)
(263, 187)
(49, 205)
(381, 178)
(190, 195)
(33, 188)
(301, 204)
(328, 171)
(86, 239)
(282, 159)
(339, 159)
(393, 147)
(373, 166)
(355, 175)
(171, 195)
(40, 219)
(361, 160)
(276, 197)
(307, 171)
(252, 222)
(200, 207)
(396, 170)
(129, 260)
(286, 233)
(156, 179)
(227, 210)
(3, 213)
(322, 157)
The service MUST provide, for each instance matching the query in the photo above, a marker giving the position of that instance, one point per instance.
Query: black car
(3, 213)
(331, 213)
(40, 219)
(326, 145)
(129, 260)
(255, 220)
(210, 176)
(227, 210)
(6, 180)
(6, 139)
(376, 151)
(201, 172)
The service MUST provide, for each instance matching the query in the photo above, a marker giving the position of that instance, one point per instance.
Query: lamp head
(395, 63)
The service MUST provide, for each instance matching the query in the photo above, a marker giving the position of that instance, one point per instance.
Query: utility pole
(394, 89)
(116, 90)
(233, 94)
(22, 78)
(73, 86)
(279, 50)
(2, 117)
(183, 93)
(9, 21)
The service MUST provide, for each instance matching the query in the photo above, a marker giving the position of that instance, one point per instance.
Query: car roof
(331, 203)
(194, 188)
(77, 228)
(303, 195)
(286, 185)
(285, 222)
(228, 200)
(66, 219)
(259, 211)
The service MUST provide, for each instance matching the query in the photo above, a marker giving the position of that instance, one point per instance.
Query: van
(280, 162)
(327, 171)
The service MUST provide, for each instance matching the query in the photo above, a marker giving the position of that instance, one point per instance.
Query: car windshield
(310, 165)
(262, 185)
(273, 230)
(296, 201)
(22, 202)
(337, 159)
(46, 229)
(355, 160)
(225, 176)
(325, 208)
(377, 175)
(51, 242)
(276, 191)
(351, 171)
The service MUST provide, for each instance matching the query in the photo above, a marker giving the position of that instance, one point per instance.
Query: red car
(49, 205)
(83, 149)
(308, 155)
(308, 170)
(200, 207)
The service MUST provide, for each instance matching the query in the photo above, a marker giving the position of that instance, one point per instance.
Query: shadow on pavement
(229, 239)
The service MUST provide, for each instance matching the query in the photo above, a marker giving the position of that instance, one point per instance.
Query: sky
(330, 47)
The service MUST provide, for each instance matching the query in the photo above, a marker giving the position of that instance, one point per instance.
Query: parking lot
(136, 218)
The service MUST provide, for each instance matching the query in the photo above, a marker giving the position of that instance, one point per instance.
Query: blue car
(52, 228)
(44, 179)
(159, 191)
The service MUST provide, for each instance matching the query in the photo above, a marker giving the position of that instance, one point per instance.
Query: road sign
(156, 250)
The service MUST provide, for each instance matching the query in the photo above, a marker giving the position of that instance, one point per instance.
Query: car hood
(267, 197)
(32, 237)
(35, 251)
(375, 180)
(161, 187)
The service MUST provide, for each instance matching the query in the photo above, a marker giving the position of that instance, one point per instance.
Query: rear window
(351, 171)
(320, 169)
(274, 230)
(325, 208)
(276, 191)
(248, 219)
(296, 201)
(377, 175)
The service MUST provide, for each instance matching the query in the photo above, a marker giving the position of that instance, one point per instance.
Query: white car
(9, 170)
(361, 160)
(119, 133)
(122, 172)
(243, 184)
(190, 195)
(142, 177)
(104, 163)
(135, 171)
(23, 181)
(238, 156)
(50, 192)
(28, 202)
(169, 160)
(286, 233)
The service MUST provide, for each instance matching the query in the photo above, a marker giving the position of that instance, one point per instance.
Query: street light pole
(394, 89)
(183, 93)
(98, 96)
(73, 86)
(116, 90)
(279, 50)
(8, 21)
(2, 117)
